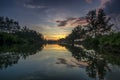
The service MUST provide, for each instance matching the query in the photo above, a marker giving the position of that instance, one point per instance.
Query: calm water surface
(57, 62)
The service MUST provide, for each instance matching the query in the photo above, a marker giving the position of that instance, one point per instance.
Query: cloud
(113, 11)
(89, 1)
(116, 20)
(113, 7)
(104, 3)
(72, 22)
(34, 6)
(71, 62)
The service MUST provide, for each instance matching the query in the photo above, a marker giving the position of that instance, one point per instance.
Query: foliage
(77, 33)
(8, 25)
(113, 39)
(106, 40)
(98, 31)
(11, 32)
(98, 23)
(11, 54)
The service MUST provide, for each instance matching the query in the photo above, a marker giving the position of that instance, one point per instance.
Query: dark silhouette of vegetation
(10, 55)
(97, 60)
(11, 32)
(100, 44)
(98, 23)
(97, 32)
(8, 25)
(77, 33)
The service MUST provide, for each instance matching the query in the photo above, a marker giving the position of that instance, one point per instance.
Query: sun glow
(55, 37)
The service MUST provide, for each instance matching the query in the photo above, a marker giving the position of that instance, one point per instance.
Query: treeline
(11, 32)
(98, 31)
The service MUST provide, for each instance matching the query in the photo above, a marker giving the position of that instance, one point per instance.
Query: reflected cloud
(71, 62)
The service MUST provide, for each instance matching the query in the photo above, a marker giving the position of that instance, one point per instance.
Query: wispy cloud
(89, 1)
(34, 6)
(72, 22)
(71, 62)
(116, 20)
(104, 3)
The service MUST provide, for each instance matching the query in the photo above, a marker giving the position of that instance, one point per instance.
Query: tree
(2, 23)
(7, 23)
(11, 24)
(16, 25)
(98, 23)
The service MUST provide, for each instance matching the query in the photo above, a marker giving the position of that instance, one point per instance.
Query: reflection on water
(10, 55)
(54, 47)
(57, 62)
(98, 65)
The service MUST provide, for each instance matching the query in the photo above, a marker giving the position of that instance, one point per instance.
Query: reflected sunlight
(55, 47)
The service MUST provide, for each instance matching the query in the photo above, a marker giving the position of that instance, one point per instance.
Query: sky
(56, 18)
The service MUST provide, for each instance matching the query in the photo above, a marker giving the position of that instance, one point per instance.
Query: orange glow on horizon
(55, 37)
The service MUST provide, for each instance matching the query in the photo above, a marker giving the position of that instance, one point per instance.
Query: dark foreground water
(57, 62)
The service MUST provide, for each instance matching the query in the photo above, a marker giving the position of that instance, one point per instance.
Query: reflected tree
(10, 55)
(97, 63)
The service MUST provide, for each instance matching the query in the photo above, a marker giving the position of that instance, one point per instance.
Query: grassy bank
(106, 40)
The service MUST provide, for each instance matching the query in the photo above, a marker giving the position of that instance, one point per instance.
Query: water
(57, 62)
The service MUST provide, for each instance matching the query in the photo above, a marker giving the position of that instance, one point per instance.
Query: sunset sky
(56, 18)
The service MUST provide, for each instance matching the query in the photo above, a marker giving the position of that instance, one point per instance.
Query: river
(57, 62)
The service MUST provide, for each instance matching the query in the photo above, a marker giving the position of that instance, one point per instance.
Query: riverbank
(12, 33)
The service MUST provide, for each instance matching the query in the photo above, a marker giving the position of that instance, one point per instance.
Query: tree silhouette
(98, 23)
(77, 33)
(11, 32)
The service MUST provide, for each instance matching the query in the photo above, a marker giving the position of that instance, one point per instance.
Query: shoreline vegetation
(98, 33)
(12, 33)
